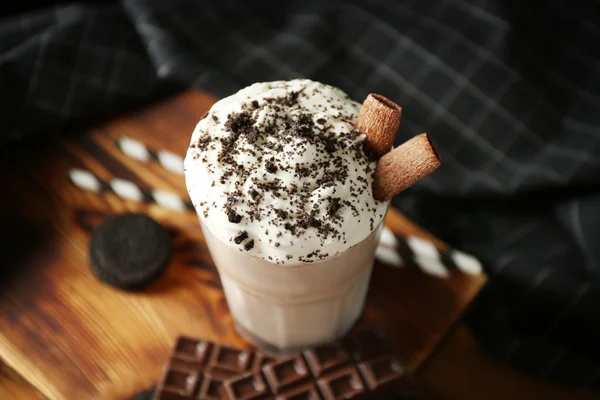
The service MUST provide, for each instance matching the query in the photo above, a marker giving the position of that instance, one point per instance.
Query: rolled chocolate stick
(379, 120)
(404, 166)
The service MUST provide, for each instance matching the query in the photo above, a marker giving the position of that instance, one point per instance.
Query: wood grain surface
(73, 337)
(15, 387)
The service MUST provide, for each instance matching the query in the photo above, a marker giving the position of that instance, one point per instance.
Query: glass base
(265, 347)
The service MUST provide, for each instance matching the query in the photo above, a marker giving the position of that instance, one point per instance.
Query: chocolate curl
(379, 120)
(404, 166)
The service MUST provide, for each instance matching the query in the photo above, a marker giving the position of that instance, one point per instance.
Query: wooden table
(72, 337)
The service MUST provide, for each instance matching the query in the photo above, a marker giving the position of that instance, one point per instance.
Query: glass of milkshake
(282, 186)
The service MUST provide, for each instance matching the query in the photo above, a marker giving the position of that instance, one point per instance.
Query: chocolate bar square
(181, 382)
(260, 360)
(191, 350)
(249, 386)
(211, 385)
(281, 374)
(304, 391)
(324, 358)
(229, 359)
(342, 384)
(380, 371)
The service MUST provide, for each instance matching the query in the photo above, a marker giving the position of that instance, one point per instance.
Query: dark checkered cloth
(509, 90)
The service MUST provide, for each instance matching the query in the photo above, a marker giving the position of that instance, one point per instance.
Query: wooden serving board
(73, 337)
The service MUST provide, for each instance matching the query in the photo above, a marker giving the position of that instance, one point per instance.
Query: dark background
(509, 90)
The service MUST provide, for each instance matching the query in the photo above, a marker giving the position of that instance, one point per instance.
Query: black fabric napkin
(508, 89)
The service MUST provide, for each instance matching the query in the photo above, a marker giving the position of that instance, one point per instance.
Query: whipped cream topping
(279, 171)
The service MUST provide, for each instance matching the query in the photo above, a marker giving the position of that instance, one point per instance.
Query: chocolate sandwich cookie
(129, 251)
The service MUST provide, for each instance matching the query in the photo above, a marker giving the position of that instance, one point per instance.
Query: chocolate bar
(197, 368)
(363, 365)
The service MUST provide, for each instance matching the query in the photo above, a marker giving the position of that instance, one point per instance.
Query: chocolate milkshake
(282, 185)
